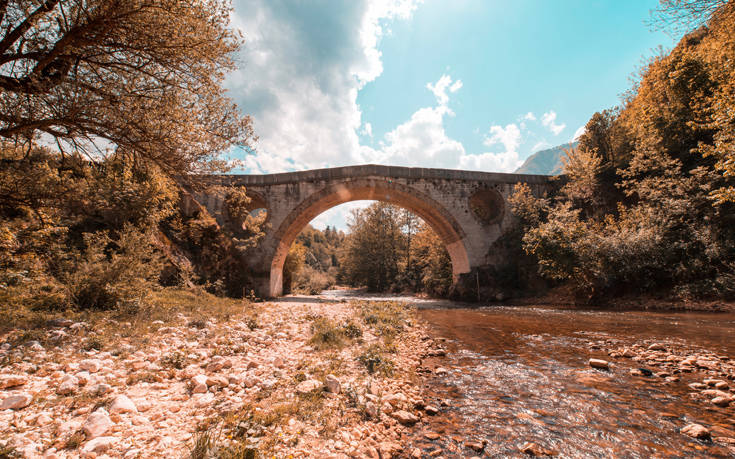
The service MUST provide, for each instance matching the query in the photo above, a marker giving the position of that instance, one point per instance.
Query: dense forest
(386, 248)
(648, 200)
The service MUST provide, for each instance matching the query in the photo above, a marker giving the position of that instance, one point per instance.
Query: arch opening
(430, 211)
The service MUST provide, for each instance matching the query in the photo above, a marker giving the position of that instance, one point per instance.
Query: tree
(142, 77)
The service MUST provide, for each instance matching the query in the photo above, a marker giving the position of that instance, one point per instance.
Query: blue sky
(464, 84)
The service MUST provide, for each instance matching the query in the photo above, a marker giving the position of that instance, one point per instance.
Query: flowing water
(514, 375)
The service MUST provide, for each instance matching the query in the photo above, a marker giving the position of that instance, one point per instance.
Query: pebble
(333, 384)
(99, 445)
(68, 385)
(404, 417)
(90, 365)
(97, 424)
(696, 431)
(308, 386)
(599, 364)
(198, 384)
(122, 404)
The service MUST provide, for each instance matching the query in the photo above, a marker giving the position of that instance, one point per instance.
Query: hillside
(545, 162)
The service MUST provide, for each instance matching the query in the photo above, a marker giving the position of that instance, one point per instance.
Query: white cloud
(529, 116)
(578, 133)
(299, 73)
(440, 88)
(509, 136)
(336, 217)
(367, 129)
(549, 120)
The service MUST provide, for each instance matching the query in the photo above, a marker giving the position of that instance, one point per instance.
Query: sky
(458, 84)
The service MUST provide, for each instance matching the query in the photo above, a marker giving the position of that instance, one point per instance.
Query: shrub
(375, 360)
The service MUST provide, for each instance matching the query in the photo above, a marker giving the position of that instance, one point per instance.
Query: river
(516, 377)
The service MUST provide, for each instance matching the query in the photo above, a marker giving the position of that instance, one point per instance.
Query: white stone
(99, 445)
(68, 385)
(122, 404)
(198, 384)
(91, 365)
(8, 381)
(308, 386)
(97, 424)
(599, 364)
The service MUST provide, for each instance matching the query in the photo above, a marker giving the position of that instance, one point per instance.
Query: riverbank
(209, 376)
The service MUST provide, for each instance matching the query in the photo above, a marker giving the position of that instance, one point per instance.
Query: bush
(113, 273)
(310, 281)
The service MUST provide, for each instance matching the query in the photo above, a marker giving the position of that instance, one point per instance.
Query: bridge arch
(387, 190)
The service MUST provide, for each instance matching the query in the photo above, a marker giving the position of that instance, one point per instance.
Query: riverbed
(517, 378)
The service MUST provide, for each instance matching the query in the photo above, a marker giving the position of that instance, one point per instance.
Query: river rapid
(515, 381)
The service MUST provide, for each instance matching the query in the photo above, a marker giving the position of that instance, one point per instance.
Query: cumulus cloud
(299, 73)
(529, 116)
(422, 140)
(549, 120)
(367, 129)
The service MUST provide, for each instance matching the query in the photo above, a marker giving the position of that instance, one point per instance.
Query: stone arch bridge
(468, 210)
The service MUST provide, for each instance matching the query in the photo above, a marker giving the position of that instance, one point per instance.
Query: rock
(16, 402)
(43, 419)
(431, 410)
(714, 382)
(333, 384)
(97, 424)
(202, 400)
(308, 386)
(396, 400)
(198, 384)
(371, 410)
(432, 436)
(641, 372)
(122, 404)
(722, 385)
(404, 417)
(99, 445)
(475, 445)
(8, 381)
(100, 389)
(721, 401)
(249, 381)
(696, 431)
(90, 365)
(68, 385)
(657, 347)
(217, 381)
(532, 449)
(697, 386)
(599, 364)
